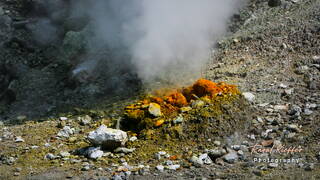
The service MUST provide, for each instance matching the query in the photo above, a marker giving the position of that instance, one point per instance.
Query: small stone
(160, 168)
(173, 167)
(273, 165)
(218, 152)
(84, 120)
(294, 110)
(283, 86)
(309, 167)
(217, 143)
(63, 118)
(50, 156)
(64, 154)
(34, 147)
(16, 174)
(185, 109)
(124, 150)
(249, 96)
(18, 169)
(66, 131)
(133, 138)
(280, 107)
(47, 145)
(240, 153)
(236, 147)
(205, 158)
(178, 120)
(108, 138)
(196, 161)
(197, 104)
(230, 157)
(293, 127)
(85, 168)
(18, 139)
(155, 109)
(307, 111)
(168, 162)
(94, 153)
(291, 135)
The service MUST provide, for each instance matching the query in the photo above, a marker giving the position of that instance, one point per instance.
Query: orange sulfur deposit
(170, 104)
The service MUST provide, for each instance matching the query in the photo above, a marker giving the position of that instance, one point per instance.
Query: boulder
(108, 138)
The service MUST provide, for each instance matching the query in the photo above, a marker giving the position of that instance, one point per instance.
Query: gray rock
(309, 167)
(94, 153)
(231, 157)
(307, 111)
(249, 96)
(196, 161)
(108, 138)
(124, 150)
(205, 158)
(236, 147)
(218, 152)
(295, 110)
(50, 156)
(66, 131)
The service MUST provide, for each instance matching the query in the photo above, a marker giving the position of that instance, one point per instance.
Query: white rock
(66, 131)
(217, 143)
(174, 167)
(108, 138)
(205, 158)
(160, 168)
(178, 120)
(249, 96)
(50, 156)
(94, 153)
(273, 165)
(18, 139)
(283, 86)
(196, 161)
(64, 154)
(133, 138)
(63, 118)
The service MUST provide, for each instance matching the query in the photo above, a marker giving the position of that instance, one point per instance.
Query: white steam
(164, 37)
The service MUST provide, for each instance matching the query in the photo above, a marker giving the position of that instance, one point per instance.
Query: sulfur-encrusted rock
(108, 138)
(155, 109)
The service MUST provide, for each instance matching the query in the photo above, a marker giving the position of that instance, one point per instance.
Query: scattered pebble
(249, 96)
(133, 138)
(273, 165)
(173, 167)
(63, 118)
(18, 139)
(231, 157)
(160, 168)
(124, 150)
(66, 131)
(50, 156)
(178, 120)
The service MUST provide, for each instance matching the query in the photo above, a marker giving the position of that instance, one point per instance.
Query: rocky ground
(272, 54)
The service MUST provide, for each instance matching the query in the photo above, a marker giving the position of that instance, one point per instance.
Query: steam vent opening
(159, 89)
